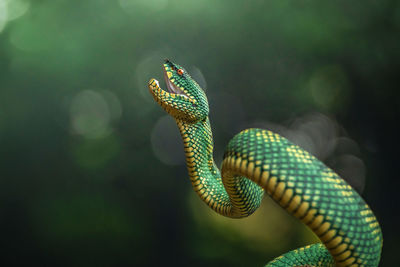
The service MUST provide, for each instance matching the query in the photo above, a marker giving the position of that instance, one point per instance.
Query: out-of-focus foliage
(92, 170)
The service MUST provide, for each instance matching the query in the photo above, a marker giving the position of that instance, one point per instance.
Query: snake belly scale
(259, 161)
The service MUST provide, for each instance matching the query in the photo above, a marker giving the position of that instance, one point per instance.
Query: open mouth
(173, 88)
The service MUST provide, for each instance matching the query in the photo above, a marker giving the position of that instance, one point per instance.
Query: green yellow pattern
(258, 161)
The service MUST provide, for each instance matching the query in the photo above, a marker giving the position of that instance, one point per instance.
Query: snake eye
(180, 71)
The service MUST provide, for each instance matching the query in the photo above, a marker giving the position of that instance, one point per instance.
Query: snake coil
(258, 161)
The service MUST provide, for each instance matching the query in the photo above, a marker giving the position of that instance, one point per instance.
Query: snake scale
(259, 161)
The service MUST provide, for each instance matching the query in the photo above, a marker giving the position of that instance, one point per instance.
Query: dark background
(92, 170)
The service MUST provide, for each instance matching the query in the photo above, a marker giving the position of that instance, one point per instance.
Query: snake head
(184, 100)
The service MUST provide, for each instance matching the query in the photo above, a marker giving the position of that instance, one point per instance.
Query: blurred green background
(92, 170)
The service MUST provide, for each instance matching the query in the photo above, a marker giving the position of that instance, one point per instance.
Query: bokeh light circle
(91, 113)
(166, 142)
(17, 8)
(11, 10)
(329, 87)
(3, 14)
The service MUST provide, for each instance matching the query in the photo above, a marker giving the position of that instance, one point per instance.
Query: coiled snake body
(258, 161)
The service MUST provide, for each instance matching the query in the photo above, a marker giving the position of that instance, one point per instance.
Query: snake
(259, 162)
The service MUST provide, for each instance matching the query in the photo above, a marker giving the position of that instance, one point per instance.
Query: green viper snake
(258, 161)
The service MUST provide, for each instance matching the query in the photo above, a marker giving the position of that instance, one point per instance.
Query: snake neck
(198, 144)
(203, 172)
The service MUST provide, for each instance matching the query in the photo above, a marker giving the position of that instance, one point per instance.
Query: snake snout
(153, 84)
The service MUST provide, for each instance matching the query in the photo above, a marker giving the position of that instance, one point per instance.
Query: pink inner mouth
(172, 88)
